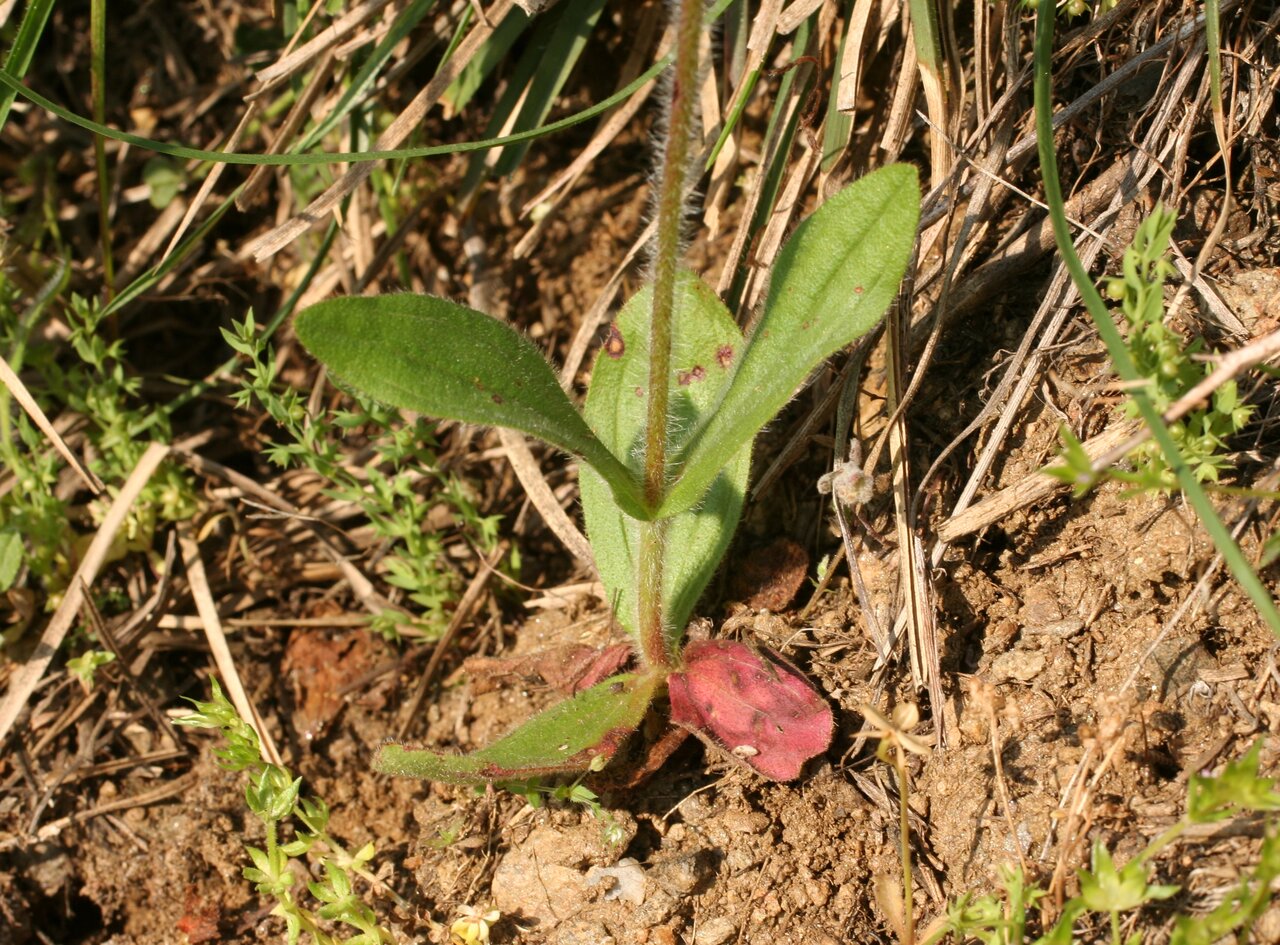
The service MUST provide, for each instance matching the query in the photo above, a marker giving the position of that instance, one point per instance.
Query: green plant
(574, 792)
(274, 796)
(1121, 358)
(36, 522)
(86, 665)
(1111, 891)
(392, 501)
(676, 400)
(1168, 370)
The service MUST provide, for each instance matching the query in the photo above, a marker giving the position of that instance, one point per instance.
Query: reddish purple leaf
(751, 703)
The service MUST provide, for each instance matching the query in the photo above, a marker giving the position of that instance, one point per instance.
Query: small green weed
(85, 666)
(393, 501)
(41, 546)
(274, 796)
(1110, 891)
(574, 792)
(1070, 9)
(1169, 368)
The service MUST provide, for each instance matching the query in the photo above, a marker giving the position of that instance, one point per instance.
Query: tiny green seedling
(832, 283)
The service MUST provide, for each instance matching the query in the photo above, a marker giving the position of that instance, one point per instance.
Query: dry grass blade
(28, 676)
(852, 57)
(290, 63)
(611, 125)
(1023, 493)
(293, 122)
(799, 11)
(543, 499)
(162, 792)
(361, 586)
(222, 657)
(271, 243)
(19, 392)
(466, 606)
(751, 199)
(210, 181)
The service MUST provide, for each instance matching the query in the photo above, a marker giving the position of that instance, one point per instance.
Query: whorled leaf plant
(676, 399)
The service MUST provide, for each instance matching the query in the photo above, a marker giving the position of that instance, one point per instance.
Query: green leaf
(565, 738)
(702, 349)
(165, 178)
(11, 555)
(550, 55)
(1239, 787)
(832, 283)
(446, 360)
(88, 663)
(1107, 889)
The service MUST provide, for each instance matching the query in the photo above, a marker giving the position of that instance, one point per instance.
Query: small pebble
(1022, 665)
(715, 931)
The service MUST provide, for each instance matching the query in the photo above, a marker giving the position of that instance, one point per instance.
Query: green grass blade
(340, 157)
(98, 83)
(13, 84)
(490, 56)
(550, 73)
(838, 128)
(735, 115)
(410, 17)
(23, 50)
(775, 171)
(1116, 348)
(552, 52)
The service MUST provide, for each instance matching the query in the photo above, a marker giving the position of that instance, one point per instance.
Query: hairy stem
(653, 632)
(675, 170)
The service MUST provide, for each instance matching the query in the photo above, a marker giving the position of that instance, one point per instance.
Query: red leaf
(753, 704)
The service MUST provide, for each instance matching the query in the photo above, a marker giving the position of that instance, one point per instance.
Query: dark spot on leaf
(804, 325)
(724, 355)
(639, 391)
(497, 398)
(477, 384)
(695, 373)
(614, 346)
(858, 290)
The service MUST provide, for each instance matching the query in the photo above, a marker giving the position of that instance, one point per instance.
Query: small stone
(582, 932)
(715, 931)
(523, 887)
(624, 881)
(680, 875)
(539, 878)
(1021, 665)
(659, 906)
(819, 892)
